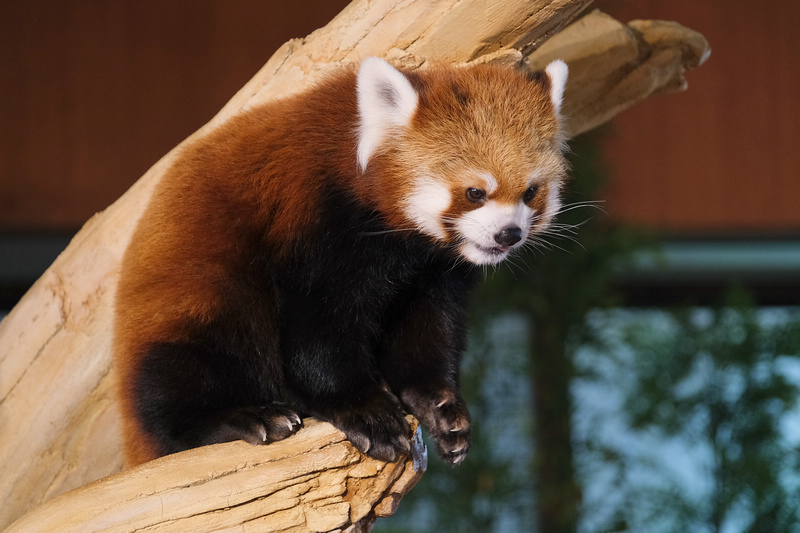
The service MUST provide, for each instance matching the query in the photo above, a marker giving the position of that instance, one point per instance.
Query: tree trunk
(557, 492)
(56, 404)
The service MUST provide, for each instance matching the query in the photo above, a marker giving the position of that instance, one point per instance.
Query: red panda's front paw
(446, 418)
(256, 425)
(452, 429)
(376, 427)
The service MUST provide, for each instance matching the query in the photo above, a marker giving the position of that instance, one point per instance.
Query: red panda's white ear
(386, 100)
(557, 71)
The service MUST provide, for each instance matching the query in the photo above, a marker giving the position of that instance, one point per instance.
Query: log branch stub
(612, 65)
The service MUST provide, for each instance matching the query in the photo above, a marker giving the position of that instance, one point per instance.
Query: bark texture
(312, 481)
(60, 425)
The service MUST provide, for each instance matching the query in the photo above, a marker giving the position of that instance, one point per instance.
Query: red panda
(314, 257)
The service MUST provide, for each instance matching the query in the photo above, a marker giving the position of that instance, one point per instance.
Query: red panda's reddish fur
(252, 177)
(256, 183)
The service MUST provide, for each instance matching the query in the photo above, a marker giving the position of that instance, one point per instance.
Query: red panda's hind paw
(257, 425)
(376, 428)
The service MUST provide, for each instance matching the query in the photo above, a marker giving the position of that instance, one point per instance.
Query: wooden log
(613, 66)
(56, 377)
(312, 481)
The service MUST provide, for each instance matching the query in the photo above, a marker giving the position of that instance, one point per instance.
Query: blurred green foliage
(724, 383)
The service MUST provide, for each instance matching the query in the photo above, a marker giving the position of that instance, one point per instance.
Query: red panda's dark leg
(371, 418)
(333, 377)
(422, 355)
(186, 396)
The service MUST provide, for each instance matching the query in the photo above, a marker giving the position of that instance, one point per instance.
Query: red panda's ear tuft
(557, 71)
(386, 100)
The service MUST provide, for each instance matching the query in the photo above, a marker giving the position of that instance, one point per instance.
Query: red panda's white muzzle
(489, 233)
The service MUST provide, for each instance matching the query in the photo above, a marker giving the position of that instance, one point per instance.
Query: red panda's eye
(475, 195)
(530, 193)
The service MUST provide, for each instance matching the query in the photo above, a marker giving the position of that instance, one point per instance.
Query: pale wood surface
(312, 481)
(60, 425)
(614, 65)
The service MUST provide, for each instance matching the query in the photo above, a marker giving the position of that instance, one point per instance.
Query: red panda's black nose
(509, 236)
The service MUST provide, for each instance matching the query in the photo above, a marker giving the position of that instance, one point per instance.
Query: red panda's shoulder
(264, 169)
(255, 182)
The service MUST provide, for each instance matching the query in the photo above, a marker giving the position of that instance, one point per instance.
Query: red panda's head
(471, 157)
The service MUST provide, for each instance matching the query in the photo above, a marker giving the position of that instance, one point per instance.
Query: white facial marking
(553, 205)
(426, 205)
(386, 101)
(557, 71)
(535, 177)
(479, 227)
(490, 182)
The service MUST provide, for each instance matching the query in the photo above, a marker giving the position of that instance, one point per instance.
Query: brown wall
(92, 93)
(723, 157)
